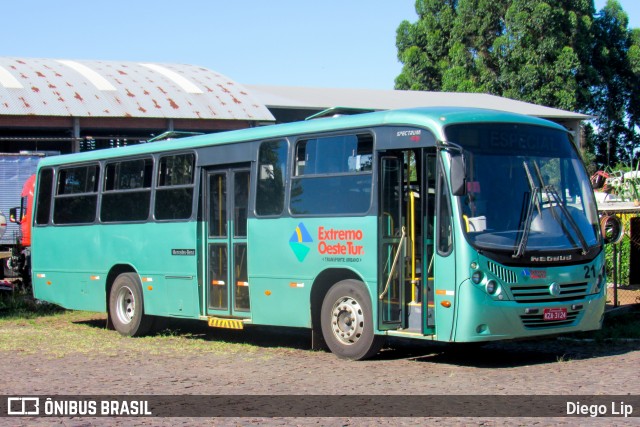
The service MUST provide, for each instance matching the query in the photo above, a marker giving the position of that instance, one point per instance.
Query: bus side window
(76, 197)
(272, 167)
(332, 175)
(127, 191)
(445, 235)
(174, 192)
(43, 200)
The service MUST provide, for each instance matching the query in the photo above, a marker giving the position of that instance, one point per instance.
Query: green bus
(445, 224)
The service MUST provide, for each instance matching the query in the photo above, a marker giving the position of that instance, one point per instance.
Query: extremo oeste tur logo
(300, 242)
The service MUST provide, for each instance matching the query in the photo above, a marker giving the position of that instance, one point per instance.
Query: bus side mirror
(612, 229)
(458, 178)
(13, 215)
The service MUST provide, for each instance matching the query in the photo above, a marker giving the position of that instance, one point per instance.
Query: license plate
(555, 314)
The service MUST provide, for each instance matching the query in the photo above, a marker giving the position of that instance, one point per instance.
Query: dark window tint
(218, 205)
(445, 233)
(240, 203)
(174, 192)
(128, 175)
(75, 210)
(76, 196)
(176, 170)
(332, 175)
(132, 206)
(272, 167)
(343, 194)
(43, 201)
(218, 276)
(336, 154)
(391, 196)
(78, 180)
(127, 191)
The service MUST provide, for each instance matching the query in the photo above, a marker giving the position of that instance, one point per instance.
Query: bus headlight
(492, 287)
(477, 277)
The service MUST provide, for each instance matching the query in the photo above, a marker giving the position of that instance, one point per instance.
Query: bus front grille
(536, 321)
(502, 273)
(540, 293)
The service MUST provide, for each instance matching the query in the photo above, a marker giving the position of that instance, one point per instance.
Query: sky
(328, 43)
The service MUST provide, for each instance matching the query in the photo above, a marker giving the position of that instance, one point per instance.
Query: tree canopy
(558, 53)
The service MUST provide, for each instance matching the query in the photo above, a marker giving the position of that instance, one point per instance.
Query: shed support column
(75, 144)
(170, 125)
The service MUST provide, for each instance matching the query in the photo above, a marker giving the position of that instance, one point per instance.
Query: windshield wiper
(522, 244)
(553, 192)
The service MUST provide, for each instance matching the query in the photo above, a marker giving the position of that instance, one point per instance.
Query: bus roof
(433, 118)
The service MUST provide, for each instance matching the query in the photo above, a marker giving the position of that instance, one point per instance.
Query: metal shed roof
(81, 88)
(321, 98)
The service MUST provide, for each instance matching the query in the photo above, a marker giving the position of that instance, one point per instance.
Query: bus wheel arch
(331, 290)
(321, 285)
(125, 302)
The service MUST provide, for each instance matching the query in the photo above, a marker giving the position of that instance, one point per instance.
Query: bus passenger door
(405, 245)
(391, 244)
(429, 208)
(226, 212)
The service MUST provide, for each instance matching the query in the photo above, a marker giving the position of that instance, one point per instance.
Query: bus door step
(219, 322)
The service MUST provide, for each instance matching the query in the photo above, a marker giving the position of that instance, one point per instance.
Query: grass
(620, 327)
(20, 306)
(30, 328)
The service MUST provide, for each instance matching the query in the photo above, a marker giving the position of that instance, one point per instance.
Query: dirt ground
(283, 364)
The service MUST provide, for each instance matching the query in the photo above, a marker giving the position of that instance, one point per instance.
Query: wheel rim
(125, 304)
(347, 320)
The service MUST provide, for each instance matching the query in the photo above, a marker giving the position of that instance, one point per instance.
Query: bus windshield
(526, 190)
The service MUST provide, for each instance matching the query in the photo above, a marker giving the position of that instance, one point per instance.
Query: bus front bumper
(479, 317)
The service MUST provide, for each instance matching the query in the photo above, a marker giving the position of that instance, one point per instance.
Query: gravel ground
(283, 364)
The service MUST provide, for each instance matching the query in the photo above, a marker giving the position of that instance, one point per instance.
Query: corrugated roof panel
(321, 98)
(185, 84)
(8, 81)
(96, 79)
(82, 88)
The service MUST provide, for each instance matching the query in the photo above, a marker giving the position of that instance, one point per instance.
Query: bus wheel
(347, 323)
(126, 307)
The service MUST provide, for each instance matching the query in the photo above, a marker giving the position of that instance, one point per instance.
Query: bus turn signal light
(445, 304)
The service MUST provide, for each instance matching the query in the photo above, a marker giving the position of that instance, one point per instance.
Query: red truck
(19, 263)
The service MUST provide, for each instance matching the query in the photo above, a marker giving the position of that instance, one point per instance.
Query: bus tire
(126, 306)
(347, 321)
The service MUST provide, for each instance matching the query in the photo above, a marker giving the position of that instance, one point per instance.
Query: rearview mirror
(14, 216)
(458, 178)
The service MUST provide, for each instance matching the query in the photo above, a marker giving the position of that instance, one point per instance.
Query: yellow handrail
(412, 232)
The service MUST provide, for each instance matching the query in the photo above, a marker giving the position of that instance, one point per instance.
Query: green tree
(524, 49)
(615, 93)
(540, 51)
(474, 65)
(423, 46)
(559, 53)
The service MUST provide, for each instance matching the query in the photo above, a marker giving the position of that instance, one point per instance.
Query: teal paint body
(287, 255)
